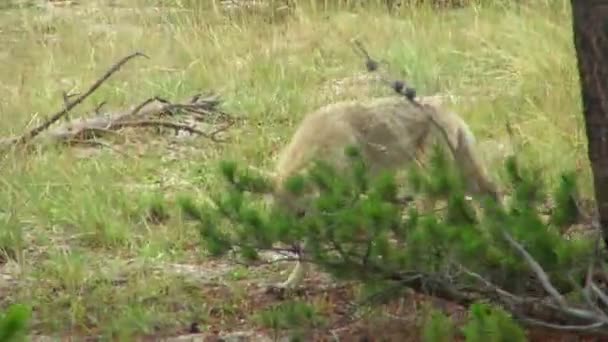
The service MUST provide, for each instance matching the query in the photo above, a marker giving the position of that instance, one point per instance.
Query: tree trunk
(590, 28)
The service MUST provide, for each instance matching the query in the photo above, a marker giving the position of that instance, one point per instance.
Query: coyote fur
(390, 132)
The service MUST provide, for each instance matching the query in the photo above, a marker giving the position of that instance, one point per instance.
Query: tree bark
(590, 29)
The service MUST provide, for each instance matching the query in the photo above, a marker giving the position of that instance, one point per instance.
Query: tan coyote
(390, 133)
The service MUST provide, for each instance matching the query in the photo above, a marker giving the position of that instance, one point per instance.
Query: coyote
(390, 132)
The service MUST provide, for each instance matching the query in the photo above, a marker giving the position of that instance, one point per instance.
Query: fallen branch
(69, 105)
(152, 112)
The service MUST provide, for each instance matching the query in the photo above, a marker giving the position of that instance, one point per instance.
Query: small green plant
(485, 323)
(156, 209)
(295, 316)
(11, 237)
(438, 328)
(565, 197)
(491, 324)
(13, 323)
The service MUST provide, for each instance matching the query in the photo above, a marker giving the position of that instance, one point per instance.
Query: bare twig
(67, 96)
(490, 285)
(602, 296)
(398, 86)
(538, 270)
(140, 106)
(157, 123)
(91, 132)
(587, 290)
(577, 328)
(213, 135)
(99, 106)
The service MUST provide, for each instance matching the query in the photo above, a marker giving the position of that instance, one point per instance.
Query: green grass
(76, 229)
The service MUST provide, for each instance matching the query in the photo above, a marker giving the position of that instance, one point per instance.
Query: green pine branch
(358, 229)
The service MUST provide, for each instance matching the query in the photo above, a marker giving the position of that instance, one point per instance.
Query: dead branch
(399, 86)
(156, 123)
(153, 112)
(69, 105)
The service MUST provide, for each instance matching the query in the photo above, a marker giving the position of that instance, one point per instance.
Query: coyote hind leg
(296, 276)
(298, 273)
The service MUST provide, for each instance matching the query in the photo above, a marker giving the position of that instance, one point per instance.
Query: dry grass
(75, 236)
